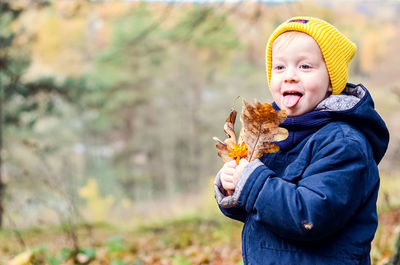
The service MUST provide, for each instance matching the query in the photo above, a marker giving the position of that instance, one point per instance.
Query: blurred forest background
(108, 109)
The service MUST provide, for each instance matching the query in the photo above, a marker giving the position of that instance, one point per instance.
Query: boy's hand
(227, 172)
(239, 169)
(230, 174)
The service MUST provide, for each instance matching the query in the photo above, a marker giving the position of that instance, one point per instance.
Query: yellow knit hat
(336, 48)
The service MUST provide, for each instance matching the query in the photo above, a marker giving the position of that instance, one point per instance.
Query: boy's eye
(279, 67)
(305, 66)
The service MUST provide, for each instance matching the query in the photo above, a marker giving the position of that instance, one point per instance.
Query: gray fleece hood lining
(344, 101)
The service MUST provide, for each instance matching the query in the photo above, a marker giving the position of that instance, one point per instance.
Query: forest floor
(203, 236)
(183, 241)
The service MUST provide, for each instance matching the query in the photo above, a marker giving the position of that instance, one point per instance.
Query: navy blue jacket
(314, 201)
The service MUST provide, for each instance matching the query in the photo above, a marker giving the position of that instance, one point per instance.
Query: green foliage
(64, 255)
(22, 98)
(114, 245)
(90, 253)
(40, 249)
(53, 261)
(123, 63)
(135, 27)
(181, 260)
(12, 59)
(117, 262)
(205, 27)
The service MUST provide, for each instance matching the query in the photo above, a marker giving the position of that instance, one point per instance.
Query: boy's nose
(290, 75)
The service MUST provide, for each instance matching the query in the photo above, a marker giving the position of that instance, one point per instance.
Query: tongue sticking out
(290, 100)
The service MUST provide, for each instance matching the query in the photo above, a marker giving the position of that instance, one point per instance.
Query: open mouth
(291, 98)
(286, 93)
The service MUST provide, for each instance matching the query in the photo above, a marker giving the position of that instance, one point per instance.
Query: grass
(202, 236)
(189, 240)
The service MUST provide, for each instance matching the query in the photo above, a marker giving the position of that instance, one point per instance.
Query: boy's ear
(329, 91)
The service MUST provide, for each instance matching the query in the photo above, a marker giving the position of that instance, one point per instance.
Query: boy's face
(299, 78)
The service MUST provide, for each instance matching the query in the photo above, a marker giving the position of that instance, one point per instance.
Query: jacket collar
(300, 127)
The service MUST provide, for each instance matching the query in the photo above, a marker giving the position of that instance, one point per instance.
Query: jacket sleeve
(331, 188)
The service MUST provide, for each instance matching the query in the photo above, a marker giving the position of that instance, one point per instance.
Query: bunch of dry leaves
(260, 128)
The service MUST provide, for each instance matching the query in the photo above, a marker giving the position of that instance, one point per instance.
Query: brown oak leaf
(260, 127)
(225, 147)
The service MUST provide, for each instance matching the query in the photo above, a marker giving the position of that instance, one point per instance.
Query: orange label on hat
(304, 21)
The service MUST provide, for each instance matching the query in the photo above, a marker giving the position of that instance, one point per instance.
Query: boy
(314, 201)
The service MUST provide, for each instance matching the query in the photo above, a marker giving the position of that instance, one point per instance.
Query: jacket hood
(356, 107)
(353, 106)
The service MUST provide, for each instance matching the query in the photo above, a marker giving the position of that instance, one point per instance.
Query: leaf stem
(255, 144)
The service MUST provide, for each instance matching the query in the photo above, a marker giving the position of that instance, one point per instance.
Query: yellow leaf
(238, 151)
(22, 259)
(98, 206)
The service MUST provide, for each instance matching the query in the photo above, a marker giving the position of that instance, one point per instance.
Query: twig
(234, 102)
(17, 234)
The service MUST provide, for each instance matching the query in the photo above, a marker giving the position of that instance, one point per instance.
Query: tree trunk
(1, 157)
